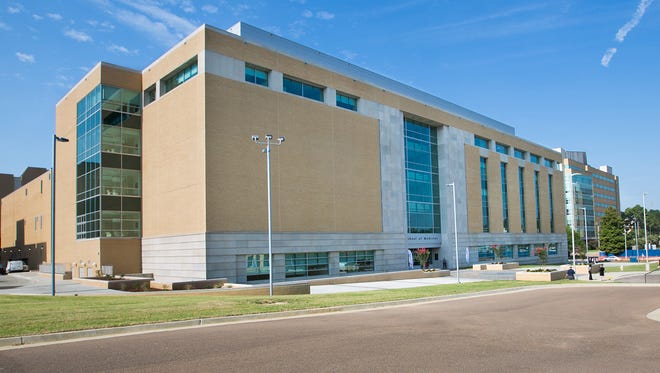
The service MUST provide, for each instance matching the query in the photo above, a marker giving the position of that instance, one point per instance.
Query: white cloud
(149, 18)
(324, 15)
(320, 15)
(101, 26)
(121, 49)
(211, 9)
(78, 35)
(187, 6)
(24, 57)
(55, 16)
(639, 13)
(605, 60)
(13, 9)
(4, 26)
(37, 17)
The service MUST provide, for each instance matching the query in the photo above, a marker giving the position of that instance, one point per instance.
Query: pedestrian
(601, 271)
(570, 273)
(444, 263)
(590, 278)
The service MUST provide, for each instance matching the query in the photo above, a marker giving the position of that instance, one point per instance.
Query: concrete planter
(541, 276)
(126, 284)
(501, 267)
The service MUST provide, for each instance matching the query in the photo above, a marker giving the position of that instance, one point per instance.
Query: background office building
(161, 175)
(25, 216)
(589, 191)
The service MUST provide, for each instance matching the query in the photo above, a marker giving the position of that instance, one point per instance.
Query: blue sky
(577, 74)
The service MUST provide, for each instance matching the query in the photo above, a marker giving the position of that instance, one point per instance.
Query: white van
(15, 266)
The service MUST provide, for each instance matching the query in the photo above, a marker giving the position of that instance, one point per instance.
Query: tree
(611, 232)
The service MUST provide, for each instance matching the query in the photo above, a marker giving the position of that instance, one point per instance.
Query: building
(25, 218)
(167, 181)
(589, 192)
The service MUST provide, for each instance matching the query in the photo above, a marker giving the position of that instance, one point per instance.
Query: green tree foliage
(652, 224)
(611, 232)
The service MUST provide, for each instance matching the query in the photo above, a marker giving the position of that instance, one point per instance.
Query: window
(534, 158)
(422, 183)
(521, 186)
(552, 249)
(505, 198)
(346, 102)
(523, 251)
(356, 261)
(552, 210)
(486, 253)
(306, 264)
(481, 142)
(300, 88)
(520, 154)
(548, 163)
(149, 95)
(538, 201)
(484, 194)
(179, 76)
(257, 267)
(256, 75)
(501, 148)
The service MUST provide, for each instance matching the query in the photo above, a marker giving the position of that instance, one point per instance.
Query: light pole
(266, 150)
(625, 238)
(586, 234)
(453, 193)
(636, 239)
(56, 139)
(646, 239)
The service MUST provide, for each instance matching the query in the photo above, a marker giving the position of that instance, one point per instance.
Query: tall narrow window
(538, 201)
(505, 198)
(552, 211)
(521, 185)
(485, 221)
(422, 183)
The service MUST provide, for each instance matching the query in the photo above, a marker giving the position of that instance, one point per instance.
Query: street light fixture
(56, 139)
(268, 142)
(453, 193)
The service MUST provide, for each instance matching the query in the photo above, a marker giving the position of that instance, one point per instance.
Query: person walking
(601, 272)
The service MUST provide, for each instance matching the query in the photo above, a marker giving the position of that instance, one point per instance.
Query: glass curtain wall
(422, 185)
(109, 179)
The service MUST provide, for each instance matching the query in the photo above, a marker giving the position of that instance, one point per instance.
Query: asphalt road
(579, 329)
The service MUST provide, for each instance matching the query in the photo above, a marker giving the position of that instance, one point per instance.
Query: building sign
(424, 238)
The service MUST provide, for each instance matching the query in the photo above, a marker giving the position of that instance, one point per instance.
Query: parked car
(612, 258)
(16, 266)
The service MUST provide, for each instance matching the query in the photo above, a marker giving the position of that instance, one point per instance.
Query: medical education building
(161, 175)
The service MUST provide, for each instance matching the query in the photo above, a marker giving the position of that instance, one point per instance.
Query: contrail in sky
(623, 31)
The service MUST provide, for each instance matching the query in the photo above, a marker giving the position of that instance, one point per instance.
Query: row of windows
(487, 253)
(310, 264)
(604, 187)
(179, 76)
(257, 75)
(603, 178)
(605, 196)
(518, 153)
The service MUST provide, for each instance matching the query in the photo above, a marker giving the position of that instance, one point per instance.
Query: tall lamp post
(453, 193)
(646, 239)
(56, 139)
(268, 142)
(573, 214)
(586, 234)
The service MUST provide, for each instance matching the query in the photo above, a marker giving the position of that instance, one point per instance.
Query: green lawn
(640, 267)
(29, 315)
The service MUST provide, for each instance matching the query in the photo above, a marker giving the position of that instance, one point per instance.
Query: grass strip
(30, 315)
